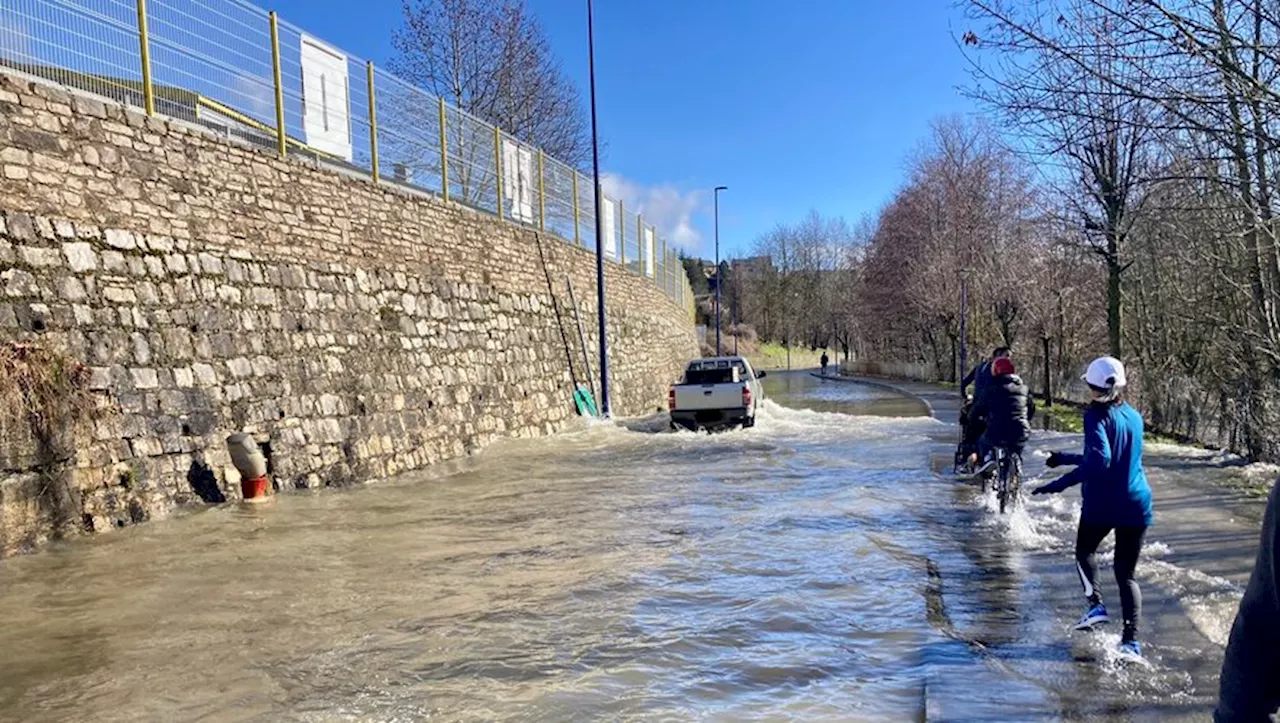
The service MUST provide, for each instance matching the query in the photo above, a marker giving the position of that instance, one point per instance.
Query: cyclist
(971, 425)
(1115, 492)
(1251, 667)
(1007, 407)
(980, 375)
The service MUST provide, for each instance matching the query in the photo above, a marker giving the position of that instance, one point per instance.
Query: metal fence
(245, 73)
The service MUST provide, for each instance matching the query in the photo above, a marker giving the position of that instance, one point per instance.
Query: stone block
(146, 447)
(176, 263)
(113, 262)
(119, 295)
(73, 289)
(122, 240)
(144, 378)
(205, 375)
(155, 267)
(39, 257)
(80, 256)
(21, 227)
(240, 367)
(141, 349)
(100, 378)
(18, 283)
(15, 155)
(210, 264)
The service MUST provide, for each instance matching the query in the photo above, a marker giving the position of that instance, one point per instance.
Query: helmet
(1002, 366)
(1105, 373)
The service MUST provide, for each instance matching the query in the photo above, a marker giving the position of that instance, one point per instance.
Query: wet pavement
(816, 567)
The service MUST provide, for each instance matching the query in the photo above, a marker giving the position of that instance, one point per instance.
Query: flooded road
(815, 567)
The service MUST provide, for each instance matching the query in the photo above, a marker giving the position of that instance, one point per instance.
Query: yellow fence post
(542, 192)
(497, 166)
(577, 235)
(144, 41)
(282, 143)
(444, 153)
(373, 121)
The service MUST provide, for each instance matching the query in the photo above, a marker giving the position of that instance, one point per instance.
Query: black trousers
(1128, 545)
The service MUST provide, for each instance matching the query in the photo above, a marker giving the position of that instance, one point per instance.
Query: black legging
(1128, 545)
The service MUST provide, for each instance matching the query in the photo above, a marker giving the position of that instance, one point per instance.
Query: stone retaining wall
(211, 287)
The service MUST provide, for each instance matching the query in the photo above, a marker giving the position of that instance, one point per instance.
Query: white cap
(1105, 373)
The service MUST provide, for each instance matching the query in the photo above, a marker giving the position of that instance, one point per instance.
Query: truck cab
(716, 393)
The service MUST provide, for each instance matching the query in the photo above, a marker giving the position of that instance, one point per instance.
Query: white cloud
(664, 206)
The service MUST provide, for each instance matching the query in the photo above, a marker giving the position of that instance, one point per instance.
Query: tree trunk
(1114, 304)
(1048, 382)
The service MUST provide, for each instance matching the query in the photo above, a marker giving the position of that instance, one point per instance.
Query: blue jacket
(1115, 492)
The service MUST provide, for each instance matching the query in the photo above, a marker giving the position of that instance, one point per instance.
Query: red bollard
(254, 488)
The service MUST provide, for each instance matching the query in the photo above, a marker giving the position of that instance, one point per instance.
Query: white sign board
(607, 212)
(326, 120)
(648, 252)
(518, 181)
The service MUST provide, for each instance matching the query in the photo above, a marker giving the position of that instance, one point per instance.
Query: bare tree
(491, 59)
(1050, 72)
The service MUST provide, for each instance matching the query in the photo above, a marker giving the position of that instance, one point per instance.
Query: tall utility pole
(595, 165)
(716, 196)
(964, 323)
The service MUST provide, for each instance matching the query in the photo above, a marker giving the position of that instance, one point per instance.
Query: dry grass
(44, 391)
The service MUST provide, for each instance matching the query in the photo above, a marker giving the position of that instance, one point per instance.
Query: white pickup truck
(716, 393)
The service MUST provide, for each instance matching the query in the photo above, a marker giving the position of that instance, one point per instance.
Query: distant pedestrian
(1250, 686)
(825, 361)
(1115, 492)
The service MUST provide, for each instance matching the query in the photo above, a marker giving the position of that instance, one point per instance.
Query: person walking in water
(1251, 668)
(1115, 492)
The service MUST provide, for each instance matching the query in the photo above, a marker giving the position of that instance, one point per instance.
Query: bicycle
(970, 431)
(1008, 478)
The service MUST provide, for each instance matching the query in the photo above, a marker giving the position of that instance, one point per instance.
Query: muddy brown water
(815, 567)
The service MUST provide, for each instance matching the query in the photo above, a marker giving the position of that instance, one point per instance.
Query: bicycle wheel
(1003, 490)
(1015, 482)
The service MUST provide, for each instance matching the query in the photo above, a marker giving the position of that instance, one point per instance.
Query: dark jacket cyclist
(1251, 669)
(1007, 407)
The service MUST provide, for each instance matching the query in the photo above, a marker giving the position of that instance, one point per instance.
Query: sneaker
(1130, 648)
(1096, 615)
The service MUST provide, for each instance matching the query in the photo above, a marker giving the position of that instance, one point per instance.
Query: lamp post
(964, 323)
(595, 166)
(716, 197)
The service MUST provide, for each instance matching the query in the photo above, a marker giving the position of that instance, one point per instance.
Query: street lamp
(716, 196)
(595, 165)
(964, 322)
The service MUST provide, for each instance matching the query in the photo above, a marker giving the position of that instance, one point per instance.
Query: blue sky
(808, 104)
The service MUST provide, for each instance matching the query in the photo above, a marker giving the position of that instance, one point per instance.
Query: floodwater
(815, 567)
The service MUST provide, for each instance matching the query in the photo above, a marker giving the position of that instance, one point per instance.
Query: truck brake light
(671, 399)
(746, 396)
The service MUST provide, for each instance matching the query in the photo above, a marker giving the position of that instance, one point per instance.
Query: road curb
(882, 385)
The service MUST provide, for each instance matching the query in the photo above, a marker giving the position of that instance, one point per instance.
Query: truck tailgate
(708, 396)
